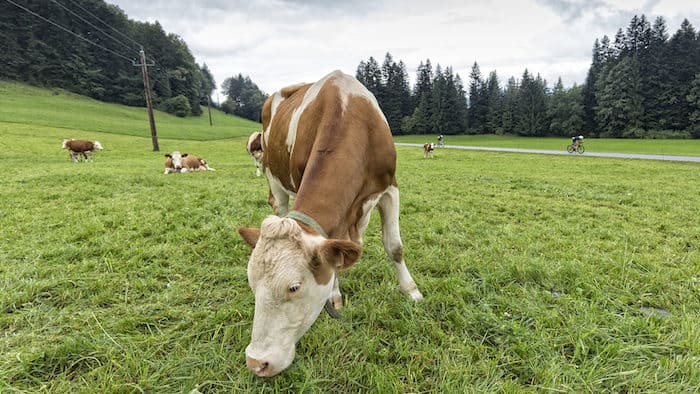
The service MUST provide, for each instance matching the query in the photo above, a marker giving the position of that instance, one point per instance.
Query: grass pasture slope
(540, 273)
(25, 104)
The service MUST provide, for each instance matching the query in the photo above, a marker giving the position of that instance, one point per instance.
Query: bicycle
(575, 148)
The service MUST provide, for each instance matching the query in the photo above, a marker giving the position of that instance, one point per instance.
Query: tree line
(39, 50)
(644, 84)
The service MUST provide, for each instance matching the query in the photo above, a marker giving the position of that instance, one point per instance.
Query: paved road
(564, 152)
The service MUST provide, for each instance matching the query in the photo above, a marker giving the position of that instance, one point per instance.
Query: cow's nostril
(258, 367)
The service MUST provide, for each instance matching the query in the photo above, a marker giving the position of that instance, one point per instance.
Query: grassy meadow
(57, 108)
(540, 273)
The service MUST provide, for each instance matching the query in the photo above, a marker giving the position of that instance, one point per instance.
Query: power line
(93, 26)
(105, 23)
(69, 31)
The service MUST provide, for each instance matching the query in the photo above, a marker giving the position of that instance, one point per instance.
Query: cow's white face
(177, 158)
(97, 145)
(291, 274)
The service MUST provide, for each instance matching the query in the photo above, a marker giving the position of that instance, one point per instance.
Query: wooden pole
(209, 109)
(147, 88)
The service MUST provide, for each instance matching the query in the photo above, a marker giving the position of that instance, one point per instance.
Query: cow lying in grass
(81, 149)
(183, 162)
(254, 148)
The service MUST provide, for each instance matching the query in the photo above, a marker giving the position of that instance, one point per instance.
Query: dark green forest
(98, 59)
(643, 83)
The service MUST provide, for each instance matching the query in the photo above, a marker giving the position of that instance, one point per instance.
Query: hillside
(58, 108)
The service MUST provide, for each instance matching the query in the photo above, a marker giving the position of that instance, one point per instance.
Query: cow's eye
(294, 288)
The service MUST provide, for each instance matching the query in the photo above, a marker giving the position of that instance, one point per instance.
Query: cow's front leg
(391, 237)
(278, 197)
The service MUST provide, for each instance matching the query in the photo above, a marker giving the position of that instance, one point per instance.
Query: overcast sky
(283, 42)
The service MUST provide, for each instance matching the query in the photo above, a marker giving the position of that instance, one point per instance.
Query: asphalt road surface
(564, 152)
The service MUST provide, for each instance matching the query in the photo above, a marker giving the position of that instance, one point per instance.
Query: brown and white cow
(183, 162)
(329, 145)
(78, 149)
(254, 148)
(428, 149)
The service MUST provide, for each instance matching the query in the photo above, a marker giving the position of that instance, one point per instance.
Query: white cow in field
(254, 148)
(84, 148)
(183, 162)
(329, 144)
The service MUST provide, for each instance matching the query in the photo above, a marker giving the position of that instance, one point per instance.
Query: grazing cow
(183, 162)
(329, 145)
(254, 148)
(81, 148)
(428, 149)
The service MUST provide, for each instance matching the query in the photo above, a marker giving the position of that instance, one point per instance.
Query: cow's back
(79, 145)
(191, 162)
(335, 124)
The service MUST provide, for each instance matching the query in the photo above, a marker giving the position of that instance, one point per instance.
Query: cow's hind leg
(389, 210)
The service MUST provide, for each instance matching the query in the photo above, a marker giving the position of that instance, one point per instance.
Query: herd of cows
(84, 150)
(328, 146)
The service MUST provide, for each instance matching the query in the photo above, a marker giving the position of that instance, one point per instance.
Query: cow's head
(291, 273)
(97, 145)
(176, 159)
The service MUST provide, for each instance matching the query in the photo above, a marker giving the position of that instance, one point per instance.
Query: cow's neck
(330, 191)
(307, 220)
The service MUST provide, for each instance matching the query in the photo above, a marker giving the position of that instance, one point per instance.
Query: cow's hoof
(415, 295)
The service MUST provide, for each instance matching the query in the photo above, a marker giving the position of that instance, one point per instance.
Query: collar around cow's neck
(307, 220)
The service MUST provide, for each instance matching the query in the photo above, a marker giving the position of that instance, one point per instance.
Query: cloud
(281, 42)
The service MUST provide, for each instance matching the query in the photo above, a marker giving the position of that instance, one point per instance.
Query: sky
(283, 42)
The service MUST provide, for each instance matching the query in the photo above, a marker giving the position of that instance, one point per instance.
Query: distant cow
(84, 148)
(183, 162)
(329, 145)
(254, 148)
(428, 149)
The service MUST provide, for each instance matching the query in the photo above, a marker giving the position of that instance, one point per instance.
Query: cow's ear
(249, 235)
(168, 155)
(339, 254)
(185, 154)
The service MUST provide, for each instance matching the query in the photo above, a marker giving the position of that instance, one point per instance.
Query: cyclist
(576, 141)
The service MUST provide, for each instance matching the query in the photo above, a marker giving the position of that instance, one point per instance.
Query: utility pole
(209, 108)
(147, 88)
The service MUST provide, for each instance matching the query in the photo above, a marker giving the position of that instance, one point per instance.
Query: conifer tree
(494, 104)
(477, 102)
(619, 99)
(693, 99)
(684, 57)
(510, 106)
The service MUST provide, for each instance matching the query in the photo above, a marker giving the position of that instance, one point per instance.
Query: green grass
(25, 104)
(647, 146)
(540, 273)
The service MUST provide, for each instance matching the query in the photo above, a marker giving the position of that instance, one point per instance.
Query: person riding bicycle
(576, 141)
